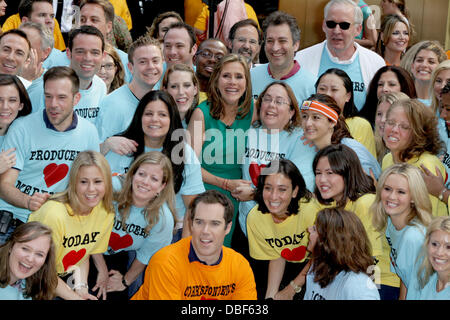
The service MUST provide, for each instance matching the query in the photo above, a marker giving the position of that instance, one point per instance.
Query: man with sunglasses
(342, 23)
(282, 40)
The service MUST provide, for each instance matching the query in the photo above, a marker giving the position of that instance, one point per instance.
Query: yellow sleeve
(361, 131)
(121, 9)
(200, 23)
(12, 22)
(59, 40)
(251, 14)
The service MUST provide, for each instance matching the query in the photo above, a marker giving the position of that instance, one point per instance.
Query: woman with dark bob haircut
(386, 79)
(284, 210)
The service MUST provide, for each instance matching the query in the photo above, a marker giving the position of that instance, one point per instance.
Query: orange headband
(321, 108)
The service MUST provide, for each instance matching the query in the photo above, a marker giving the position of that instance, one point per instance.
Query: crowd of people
(176, 166)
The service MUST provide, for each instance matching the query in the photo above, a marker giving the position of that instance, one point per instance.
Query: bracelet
(296, 288)
(441, 194)
(124, 282)
(225, 184)
(80, 286)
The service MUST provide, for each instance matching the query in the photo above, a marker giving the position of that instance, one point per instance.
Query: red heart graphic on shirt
(254, 170)
(117, 242)
(72, 257)
(296, 254)
(54, 173)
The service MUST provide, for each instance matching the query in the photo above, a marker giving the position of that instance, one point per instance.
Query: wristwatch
(441, 194)
(296, 288)
(124, 282)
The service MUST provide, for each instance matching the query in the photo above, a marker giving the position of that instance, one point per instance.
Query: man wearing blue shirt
(46, 144)
(282, 40)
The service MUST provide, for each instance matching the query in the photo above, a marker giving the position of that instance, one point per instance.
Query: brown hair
(342, 245)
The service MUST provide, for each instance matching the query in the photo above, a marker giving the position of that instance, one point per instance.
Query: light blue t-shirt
(302, 82)
(405, 246)
(368, 161)
(263, 148)
(353, 69)
(345, 286)
(56, 58)
(89, 105)
(13, 292)
(428, 292)
(192, 174)
(44, 156)
(135, 238)
(116, 112)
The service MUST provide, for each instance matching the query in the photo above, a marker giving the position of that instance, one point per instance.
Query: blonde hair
(421, 205)
(444, 65)
(87, 159)
(426, 269)
(390, 98)
(124, 198)
(411, 53)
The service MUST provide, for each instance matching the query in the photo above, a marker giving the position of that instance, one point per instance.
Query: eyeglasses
(108, 66)
(343, 25)
(253, 42)
(401, 126)
(209, 55)
(278, 101)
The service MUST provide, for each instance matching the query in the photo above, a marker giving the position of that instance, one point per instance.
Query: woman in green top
(218, 127)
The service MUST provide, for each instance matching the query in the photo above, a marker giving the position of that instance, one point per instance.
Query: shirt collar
(192, 256)
(293, 71)
(50, 126)
(336, 59)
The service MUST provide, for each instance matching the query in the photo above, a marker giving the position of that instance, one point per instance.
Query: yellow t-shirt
(121, 9)
(76, 237)
(430, 162)
(288, 239)
(13, 22)
(361, 131)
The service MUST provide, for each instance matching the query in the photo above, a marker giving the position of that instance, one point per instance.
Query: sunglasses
(343, 25)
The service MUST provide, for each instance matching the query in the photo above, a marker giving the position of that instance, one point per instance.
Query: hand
(32, 67)
(7, 159)
(309, 142)
(84, 294)
(286, 294)
(37, 200)
(233, 184)
(121, 145)
(435, 183)
(244, 193)
(115, 281)
(101, 285)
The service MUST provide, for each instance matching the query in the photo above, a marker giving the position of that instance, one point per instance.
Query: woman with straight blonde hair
(402, 211)
(145, 220)
(228, 109)
(431, 279)
(81, 218)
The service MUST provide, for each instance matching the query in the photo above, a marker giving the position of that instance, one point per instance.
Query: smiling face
(246, 42)
(333, 85)
(329, 183)
(442, 78)
(439, 251)
(208, 231)
(10, 105)
(388, 82)
(147, 183)
(397, 130)
(205, 65)
(181, 87)
(14, 51)
(424, 64)
(278, 193)
(26, 258)
(232, 83)
(86, 56)
(279, 47)
(177, 47)
(93, 15)
(399, 39)
(147, 66)
(107, 70)
(380, 116)
(90, 187)
(317, 127)
(277, 113)
(155, 123)
(395, 196)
